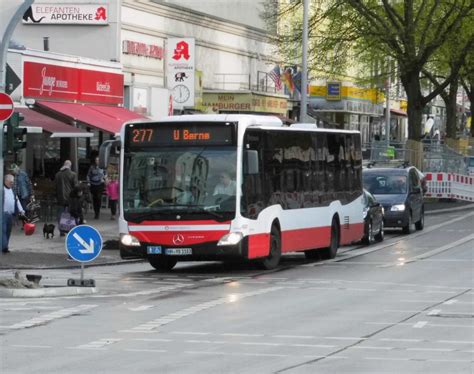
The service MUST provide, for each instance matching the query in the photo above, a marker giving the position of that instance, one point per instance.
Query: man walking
(22, 186)
(64, 181)
(11, 207)
(96, 180)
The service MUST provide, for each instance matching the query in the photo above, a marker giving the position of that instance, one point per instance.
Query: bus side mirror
(251, 162)
(104, 152)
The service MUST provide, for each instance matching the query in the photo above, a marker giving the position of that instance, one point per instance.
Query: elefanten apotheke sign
(67, 13)
(45, 81)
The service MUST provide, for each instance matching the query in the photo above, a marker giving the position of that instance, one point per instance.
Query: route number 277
(142, 135)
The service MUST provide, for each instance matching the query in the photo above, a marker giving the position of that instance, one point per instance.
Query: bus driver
(226, 186)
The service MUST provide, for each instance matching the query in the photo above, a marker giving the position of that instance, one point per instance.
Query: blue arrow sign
(83, 243)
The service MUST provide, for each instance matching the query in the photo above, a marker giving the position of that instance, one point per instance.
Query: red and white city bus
(219, 187)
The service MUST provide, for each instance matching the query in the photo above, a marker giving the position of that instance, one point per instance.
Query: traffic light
(15, 134)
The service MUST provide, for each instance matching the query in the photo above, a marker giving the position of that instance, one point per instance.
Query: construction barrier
(450, 186)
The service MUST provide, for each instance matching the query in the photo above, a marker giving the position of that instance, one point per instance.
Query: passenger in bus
(226, 185)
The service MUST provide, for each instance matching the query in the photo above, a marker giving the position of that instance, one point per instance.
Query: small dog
(48, 229)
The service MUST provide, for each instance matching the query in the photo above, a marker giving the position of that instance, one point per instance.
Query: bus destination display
(157, 134)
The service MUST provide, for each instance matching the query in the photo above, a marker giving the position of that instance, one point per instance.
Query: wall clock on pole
(181, 93)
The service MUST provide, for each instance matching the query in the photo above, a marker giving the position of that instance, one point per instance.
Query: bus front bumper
(199, 252)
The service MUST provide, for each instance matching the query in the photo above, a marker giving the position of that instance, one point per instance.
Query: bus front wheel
(273, 258)
(162, 263)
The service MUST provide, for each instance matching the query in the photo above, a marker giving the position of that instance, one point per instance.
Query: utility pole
(388, 83)
(5, 41)
(304, 73)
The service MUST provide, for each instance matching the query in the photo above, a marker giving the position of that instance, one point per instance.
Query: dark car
(400, 192)
(373, 219)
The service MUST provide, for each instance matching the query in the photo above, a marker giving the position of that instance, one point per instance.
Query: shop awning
(35, 120)
(398, 112)
(105, 118)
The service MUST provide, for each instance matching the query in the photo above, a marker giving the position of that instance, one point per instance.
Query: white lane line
(344, 338)
(41, 320)
(243, 335)
(31, 346)
(430, 349)
(98, 344)
(420, 325)
(207, 342)
(401, 340)
(153, 340)
(434, 312)
(143, 293)
(189, 333)
(386, 359)
(450, 302)
(141, 308)
(455, 342)
(146, 350)
(164, 320)
(294, 336)
(374, 348)
(235, 354)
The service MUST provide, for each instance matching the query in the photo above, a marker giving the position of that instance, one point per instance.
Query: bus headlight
(398, 208)
(232, 238)
(129, 240)
(364, 213)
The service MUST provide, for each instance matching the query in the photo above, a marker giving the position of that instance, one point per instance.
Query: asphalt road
(401, 306)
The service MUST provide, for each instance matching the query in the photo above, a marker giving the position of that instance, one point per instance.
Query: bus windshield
(196, 182)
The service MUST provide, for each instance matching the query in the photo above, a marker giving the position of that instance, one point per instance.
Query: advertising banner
(180, 66)
(67, 13)
(71, 84)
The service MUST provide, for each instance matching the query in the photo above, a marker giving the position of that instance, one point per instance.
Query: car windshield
(191, 182)
(385, 184)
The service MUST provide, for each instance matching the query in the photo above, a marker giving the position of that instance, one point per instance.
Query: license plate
(154, 250)
(178, 251)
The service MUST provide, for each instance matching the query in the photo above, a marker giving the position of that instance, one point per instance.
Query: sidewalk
(36, 252)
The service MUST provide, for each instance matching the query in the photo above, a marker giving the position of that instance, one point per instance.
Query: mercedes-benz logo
(178, 239)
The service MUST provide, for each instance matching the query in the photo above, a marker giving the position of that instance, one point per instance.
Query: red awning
(57, 128)
(398, 112)
(106, 118)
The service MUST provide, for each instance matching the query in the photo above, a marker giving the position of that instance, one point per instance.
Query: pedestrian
(76, 200)
(11, 207)
(113, 193)
(96, 181)
(22, 186)
(64, 181)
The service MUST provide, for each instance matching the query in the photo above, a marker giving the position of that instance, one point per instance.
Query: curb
(78, 266)
(47, 292)
(447, 210)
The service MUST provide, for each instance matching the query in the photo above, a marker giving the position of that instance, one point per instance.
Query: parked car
(400, 192)
(373, 219)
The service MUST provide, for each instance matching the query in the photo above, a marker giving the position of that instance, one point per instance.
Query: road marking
(153, 340)
(369, 347)
(430, 349)
(455, 342)
(420, 325)
(141, 308)
(146, 350)
(243, 335)
(41, 320)
(450, 302)
(98, 344)
(434, 312)
(401, 340)
(156, 323)
(31, 346)
(190, 333)
(386, 358)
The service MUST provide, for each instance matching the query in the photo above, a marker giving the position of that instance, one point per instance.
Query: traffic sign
(83, 243)
(6, 106)
(13, 80)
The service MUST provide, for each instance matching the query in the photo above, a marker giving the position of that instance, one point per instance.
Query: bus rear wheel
(162, 263)
(331, 251)
(273, 258)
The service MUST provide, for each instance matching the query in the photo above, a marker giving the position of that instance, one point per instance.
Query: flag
(287, 79)
(297, 81)
(275, 77)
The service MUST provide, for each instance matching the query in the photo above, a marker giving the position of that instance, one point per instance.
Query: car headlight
(129, 240)
(232, 238)
(398, 208)
(364, 212)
